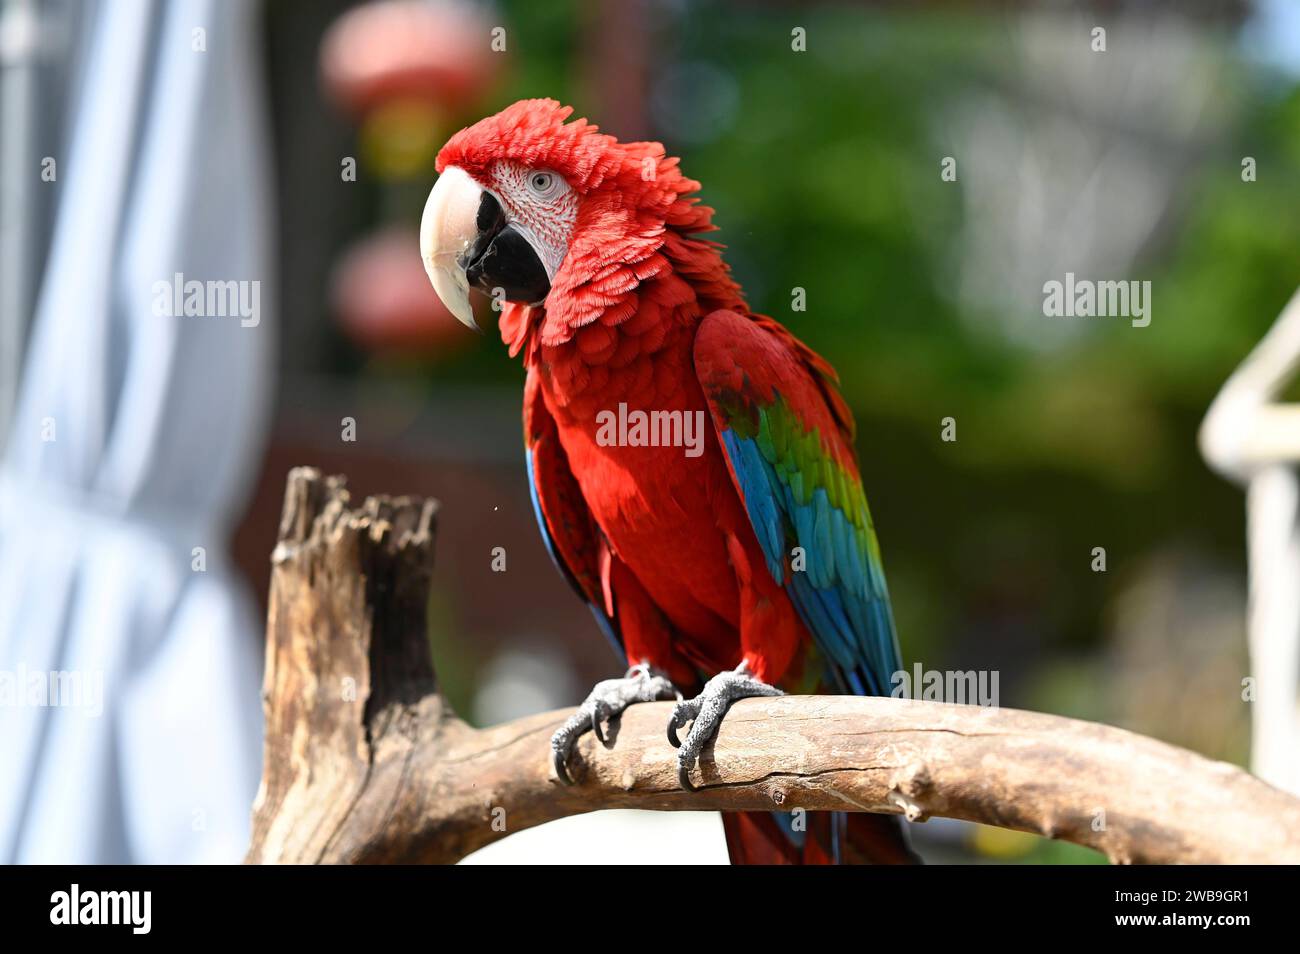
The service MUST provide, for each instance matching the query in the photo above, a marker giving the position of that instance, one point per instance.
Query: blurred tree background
(824, 168)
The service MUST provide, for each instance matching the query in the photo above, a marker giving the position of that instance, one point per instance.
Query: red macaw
(744, 560)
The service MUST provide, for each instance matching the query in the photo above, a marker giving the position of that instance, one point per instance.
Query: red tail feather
(756, 838)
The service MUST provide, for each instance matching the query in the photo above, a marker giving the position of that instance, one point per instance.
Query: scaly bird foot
(706, 711)
(607, 700)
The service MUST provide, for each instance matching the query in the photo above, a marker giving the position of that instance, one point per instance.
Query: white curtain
(135, 439)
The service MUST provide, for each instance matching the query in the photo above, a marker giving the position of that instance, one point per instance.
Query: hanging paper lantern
(384, 301)
(437, 53)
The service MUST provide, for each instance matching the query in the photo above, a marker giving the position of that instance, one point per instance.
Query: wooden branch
(364, 762)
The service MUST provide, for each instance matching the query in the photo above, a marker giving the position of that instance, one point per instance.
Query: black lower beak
(502, 258)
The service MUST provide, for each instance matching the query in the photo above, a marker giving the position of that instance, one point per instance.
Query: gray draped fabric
(135, 436)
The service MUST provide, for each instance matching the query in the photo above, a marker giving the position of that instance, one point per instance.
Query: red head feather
(534, 132)
(634, 200)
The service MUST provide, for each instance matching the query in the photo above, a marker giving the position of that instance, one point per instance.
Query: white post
(1255, 442)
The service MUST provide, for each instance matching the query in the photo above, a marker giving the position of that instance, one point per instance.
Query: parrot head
(529, 207)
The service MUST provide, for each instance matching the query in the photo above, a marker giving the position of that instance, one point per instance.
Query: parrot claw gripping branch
(730, 577)
(607, 701)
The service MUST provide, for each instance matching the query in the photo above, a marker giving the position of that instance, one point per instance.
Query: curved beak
(466, 240)
(447, 231)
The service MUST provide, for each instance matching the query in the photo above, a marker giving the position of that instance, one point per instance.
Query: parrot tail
(819, 838)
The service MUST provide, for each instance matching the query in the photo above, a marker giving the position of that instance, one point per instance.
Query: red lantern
(437, 52)
(384, 300)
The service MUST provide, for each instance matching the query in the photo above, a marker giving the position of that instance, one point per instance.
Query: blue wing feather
(841, 594)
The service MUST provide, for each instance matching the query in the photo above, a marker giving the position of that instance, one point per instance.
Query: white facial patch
(542, 208)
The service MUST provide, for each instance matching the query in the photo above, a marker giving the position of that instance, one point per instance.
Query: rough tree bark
(365, 762)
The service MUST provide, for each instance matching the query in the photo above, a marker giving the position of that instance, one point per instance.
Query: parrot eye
(544, 185)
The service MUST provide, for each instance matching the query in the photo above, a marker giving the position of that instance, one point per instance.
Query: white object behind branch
(1252, 440)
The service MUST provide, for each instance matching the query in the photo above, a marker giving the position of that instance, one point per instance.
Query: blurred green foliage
(824, 175)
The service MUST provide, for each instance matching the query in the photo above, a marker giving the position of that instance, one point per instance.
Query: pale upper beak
(467, 240)
(448, 230)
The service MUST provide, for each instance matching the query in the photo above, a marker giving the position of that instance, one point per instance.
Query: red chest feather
(642, 447)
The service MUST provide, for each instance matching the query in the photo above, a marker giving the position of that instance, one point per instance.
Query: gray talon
(706, 712)
(560, 769)
(600, 712)
(607, 700)
(683, 712)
